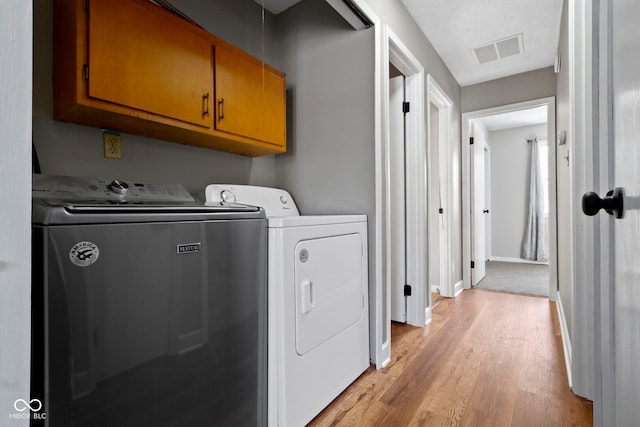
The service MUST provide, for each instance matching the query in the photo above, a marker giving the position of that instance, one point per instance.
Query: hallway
(487, 359)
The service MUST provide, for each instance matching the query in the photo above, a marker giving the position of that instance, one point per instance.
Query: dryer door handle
(306, 294)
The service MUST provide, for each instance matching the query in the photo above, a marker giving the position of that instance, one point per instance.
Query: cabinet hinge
(85, 72)
(406, 107)
(407, 290)
(473, 264)
(471, 140)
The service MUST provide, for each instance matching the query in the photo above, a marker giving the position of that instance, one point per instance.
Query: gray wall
(69, 149)
(509, 90)
(329, 164)
(395, 15)
(510, 166)
(15, 192)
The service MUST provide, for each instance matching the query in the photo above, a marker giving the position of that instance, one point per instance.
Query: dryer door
(330, 285)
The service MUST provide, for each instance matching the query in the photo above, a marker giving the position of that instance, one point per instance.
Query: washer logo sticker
(84, 254)
(188, 248)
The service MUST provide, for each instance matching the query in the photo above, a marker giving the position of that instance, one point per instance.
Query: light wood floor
(487, 359)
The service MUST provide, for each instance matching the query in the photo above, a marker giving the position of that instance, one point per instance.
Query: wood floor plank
(486, 359)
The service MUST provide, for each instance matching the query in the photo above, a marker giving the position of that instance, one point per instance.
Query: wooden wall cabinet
(134, 67)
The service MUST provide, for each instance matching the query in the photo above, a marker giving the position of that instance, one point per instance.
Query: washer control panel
(98, 189)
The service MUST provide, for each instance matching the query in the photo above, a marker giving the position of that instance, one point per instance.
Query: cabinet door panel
(249, 98)
(274, 109)
(139, 59)
(238, 94)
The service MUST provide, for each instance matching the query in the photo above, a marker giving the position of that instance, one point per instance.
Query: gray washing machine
(149, 308)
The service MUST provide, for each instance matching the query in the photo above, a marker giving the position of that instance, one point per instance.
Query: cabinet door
(250, 99)
(139, 59)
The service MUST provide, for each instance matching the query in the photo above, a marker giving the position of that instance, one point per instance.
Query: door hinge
(407, 290)
(473, 264)
(471, 140)
(85, 72)
(406, 106)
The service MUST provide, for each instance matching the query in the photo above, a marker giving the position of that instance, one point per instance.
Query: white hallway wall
(510, 164)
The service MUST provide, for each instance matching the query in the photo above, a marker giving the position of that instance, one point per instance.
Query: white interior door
(620, 300)
(441, 191)
(397, 199)
(478, 203)
(487, 203)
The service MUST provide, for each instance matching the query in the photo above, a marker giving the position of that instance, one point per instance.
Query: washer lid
(275, 202)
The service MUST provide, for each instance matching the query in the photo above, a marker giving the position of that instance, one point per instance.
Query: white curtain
(535, 246)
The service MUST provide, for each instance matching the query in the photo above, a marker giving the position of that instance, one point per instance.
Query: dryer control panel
(274, 201)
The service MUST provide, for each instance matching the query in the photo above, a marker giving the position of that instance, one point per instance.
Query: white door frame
(415, 170)
(444, 190)
(550, 102)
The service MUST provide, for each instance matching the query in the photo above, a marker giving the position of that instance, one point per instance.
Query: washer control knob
(118, 187)
(284, 199)
(227, 196)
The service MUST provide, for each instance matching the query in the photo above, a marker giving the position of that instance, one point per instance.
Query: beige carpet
(520, 278)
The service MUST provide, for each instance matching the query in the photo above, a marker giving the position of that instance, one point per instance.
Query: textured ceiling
(456, 27)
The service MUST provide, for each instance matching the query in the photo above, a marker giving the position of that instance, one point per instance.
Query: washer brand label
(188, 248)
(304, 255)
(84, 254)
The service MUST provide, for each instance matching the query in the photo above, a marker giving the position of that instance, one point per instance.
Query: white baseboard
(519, 260)
(427, 315)
(435, 289)
(458, 288)
(566, 340)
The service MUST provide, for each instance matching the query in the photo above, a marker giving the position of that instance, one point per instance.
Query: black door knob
(485, 211)
(612, 203)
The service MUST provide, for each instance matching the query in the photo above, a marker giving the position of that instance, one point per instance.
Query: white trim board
(566, 341)
(458, 288)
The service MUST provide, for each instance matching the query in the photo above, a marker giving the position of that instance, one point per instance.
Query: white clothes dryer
(318, 302)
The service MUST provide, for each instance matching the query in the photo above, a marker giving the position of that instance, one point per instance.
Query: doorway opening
(510, 190)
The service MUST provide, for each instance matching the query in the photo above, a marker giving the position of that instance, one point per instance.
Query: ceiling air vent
(498, 49)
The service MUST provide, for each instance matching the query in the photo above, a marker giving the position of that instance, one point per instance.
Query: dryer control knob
(284, 199)
(118, 187)
(227, 196)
